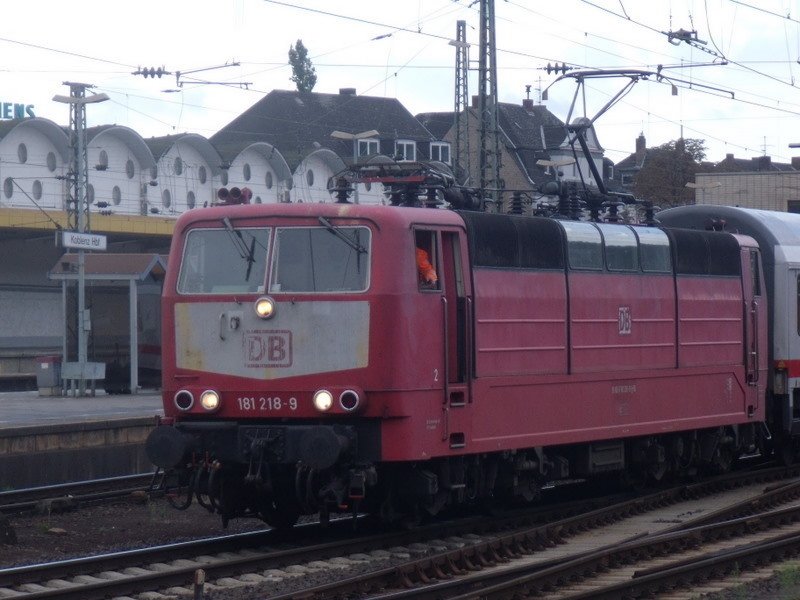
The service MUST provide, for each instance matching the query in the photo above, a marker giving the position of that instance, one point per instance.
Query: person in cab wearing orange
(425, 270)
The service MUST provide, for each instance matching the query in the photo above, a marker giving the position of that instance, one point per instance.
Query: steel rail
(27, 499)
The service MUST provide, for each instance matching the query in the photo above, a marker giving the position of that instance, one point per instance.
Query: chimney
(641, 148)
(729, 157)
(762, 163)
(796, 163)
(527, 104)
(347, 91)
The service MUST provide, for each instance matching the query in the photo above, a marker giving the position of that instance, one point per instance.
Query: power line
(65, 52)
(721, 54)
(785, 17)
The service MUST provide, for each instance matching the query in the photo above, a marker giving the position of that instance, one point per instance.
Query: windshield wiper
(245, 252)
(335, 231)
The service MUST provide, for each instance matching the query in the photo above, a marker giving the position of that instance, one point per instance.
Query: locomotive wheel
(279, 516)
(723, 459)
(634, 478)
(786, 451)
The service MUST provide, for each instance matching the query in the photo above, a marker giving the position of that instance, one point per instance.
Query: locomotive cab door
(447, 249)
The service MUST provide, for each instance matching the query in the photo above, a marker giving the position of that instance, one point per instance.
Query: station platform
(45, 440)
(19, 409)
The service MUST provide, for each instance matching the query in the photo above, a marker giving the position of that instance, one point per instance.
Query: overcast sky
(400, 49)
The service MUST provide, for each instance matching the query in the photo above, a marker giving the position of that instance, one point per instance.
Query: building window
(310, 177)
(268, 180)
(154, 172)
(90, 194)
(258, 199)
(440, 151)
(51, 161)
(22, 153)
(37, 190)
(190, 201)
(224, 177)
(367, 147)
(178, 165)
(405, 150)
(166, 199)
(793, 206)
(246, 171)
(102, 163)
(8, 187)
(626, 179)
(116, 195)
(129, 169)
(201, 174)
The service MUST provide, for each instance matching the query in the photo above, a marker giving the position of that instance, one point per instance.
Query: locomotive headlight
(323, 400)
(209, 400)
(265, 307)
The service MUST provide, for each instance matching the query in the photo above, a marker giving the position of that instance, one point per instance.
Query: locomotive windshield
(224, 261)
(321, 259)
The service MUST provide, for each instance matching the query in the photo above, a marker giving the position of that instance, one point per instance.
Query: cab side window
(426, 260)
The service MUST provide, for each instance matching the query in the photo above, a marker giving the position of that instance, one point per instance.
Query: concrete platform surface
(23, 409)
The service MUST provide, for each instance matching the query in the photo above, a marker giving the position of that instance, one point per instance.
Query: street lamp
(342, 135)
(78, 101)
(703, 187)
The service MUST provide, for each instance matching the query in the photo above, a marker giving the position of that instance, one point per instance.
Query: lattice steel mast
(489, 157)
(462, 159)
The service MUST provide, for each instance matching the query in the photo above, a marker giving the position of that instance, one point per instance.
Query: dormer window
(405, 150)
(440, 151)
(368, 147)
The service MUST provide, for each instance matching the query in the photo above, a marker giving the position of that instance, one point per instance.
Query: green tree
(666, 171)
(303, 73)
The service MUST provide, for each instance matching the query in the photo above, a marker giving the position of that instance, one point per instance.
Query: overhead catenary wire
(412, 30)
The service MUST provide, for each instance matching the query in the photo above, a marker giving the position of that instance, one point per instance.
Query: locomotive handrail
(445, 370)
(754, 373)
(468, 367)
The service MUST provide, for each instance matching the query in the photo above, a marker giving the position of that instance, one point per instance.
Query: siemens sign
(12, 110)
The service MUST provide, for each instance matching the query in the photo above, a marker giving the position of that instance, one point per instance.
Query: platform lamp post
(342, 135)
(77, 205)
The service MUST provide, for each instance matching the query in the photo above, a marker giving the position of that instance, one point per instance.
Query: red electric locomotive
(313, 360)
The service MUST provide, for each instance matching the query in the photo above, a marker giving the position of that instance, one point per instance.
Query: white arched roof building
(34, 155)
(187, 172)
(262, 168)
(312, 176)
(119, 169)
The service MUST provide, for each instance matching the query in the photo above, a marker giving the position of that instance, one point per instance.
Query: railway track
(134, 571)
(69, 495)
(544, 561)
(432, 556)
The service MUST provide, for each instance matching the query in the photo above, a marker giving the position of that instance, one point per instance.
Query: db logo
(624, 320)
(268, 348)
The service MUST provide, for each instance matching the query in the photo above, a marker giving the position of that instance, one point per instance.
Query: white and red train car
(307, 367)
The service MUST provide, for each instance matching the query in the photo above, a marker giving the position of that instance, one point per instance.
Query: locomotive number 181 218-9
(266, 404)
